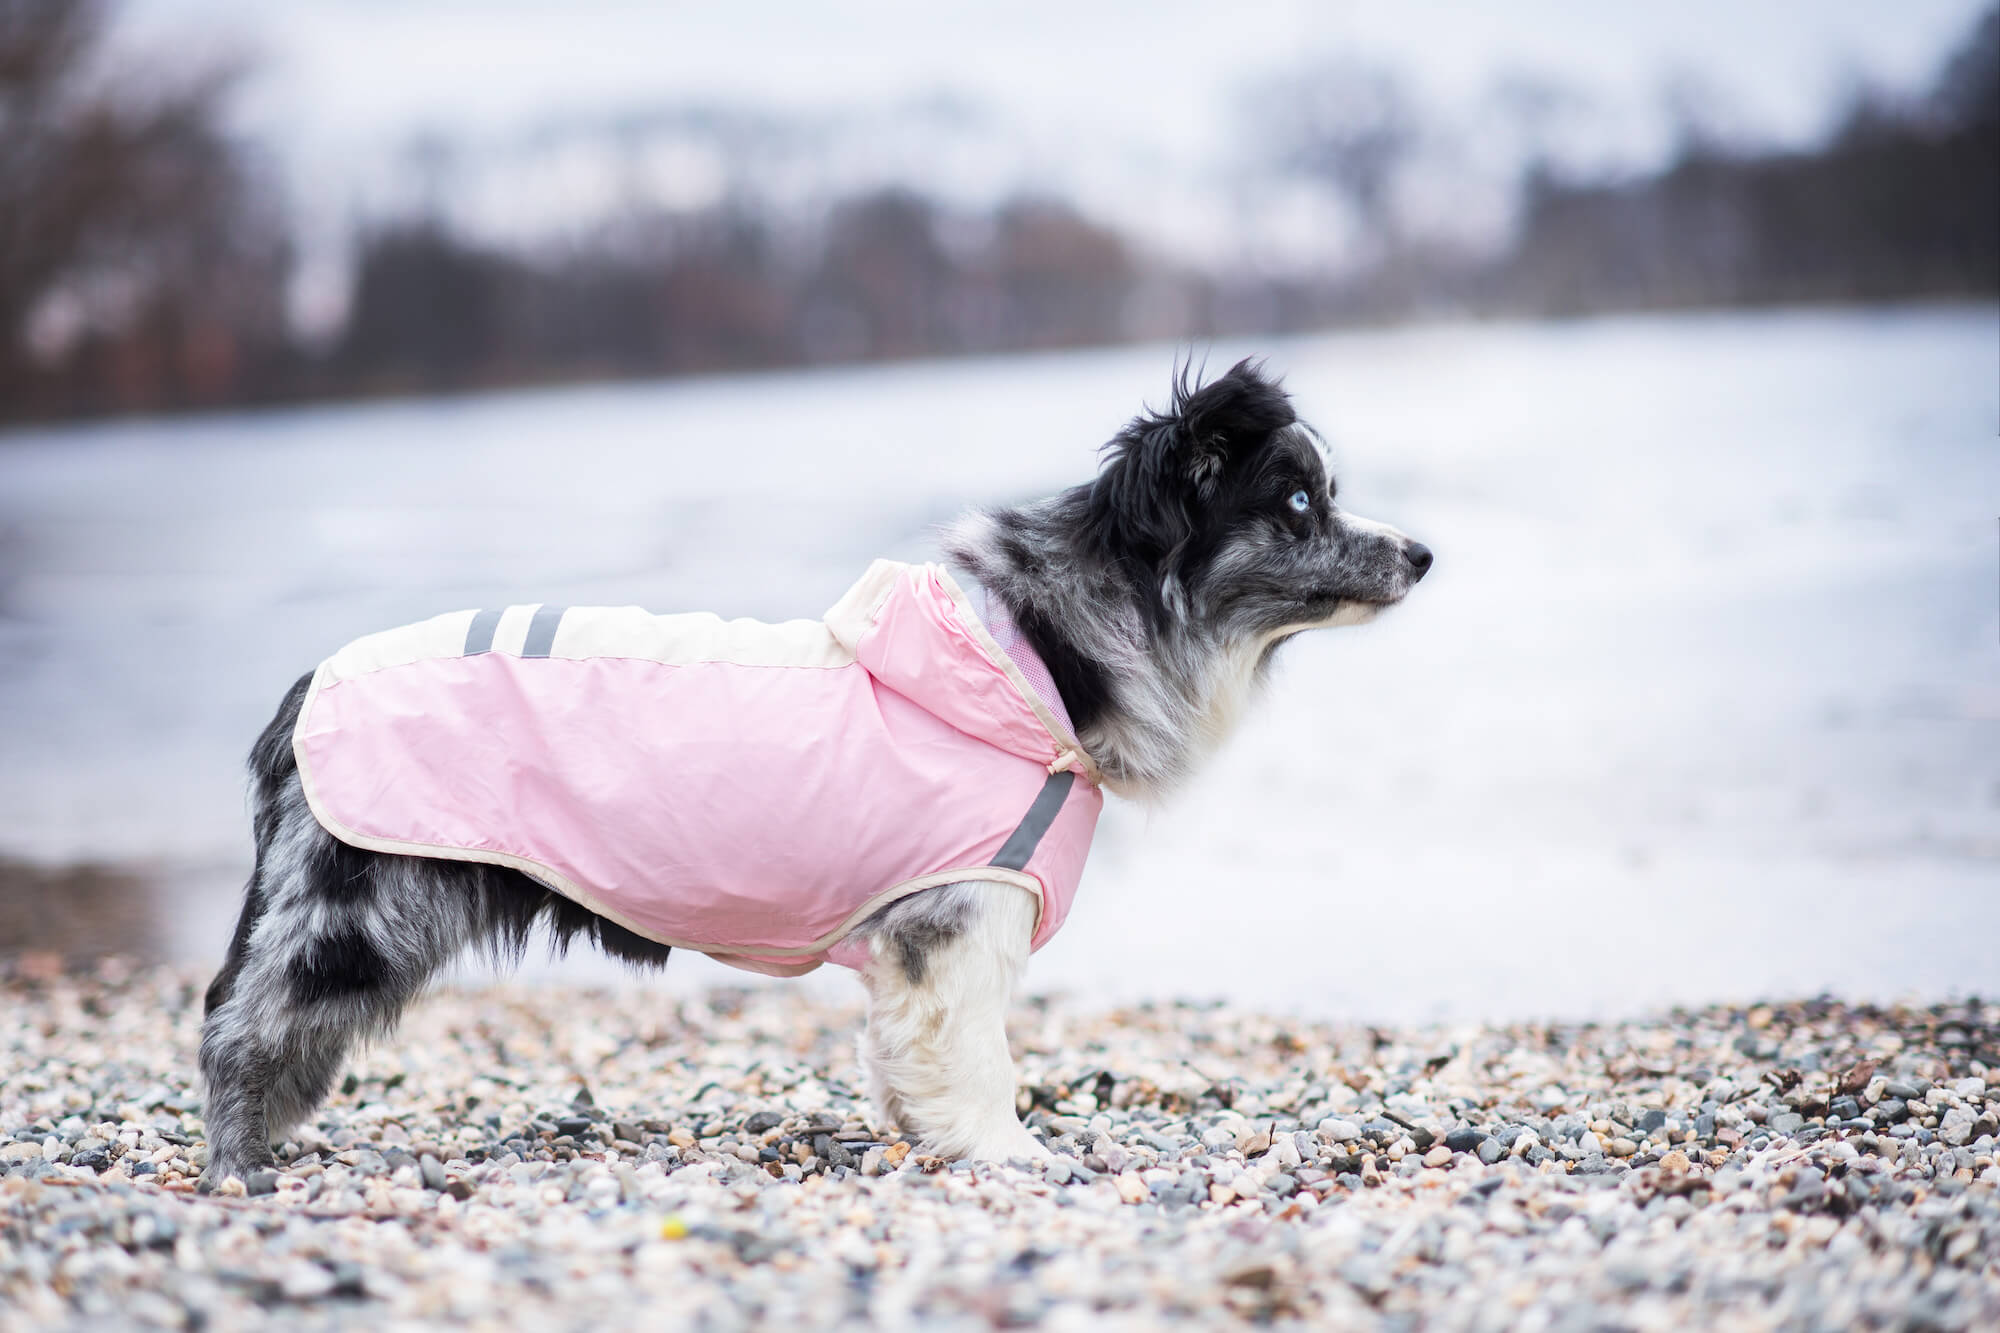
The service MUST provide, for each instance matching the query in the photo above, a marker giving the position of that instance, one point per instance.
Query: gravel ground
(589, 1159)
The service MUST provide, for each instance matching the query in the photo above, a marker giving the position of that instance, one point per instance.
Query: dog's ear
(1214, 424)
(1161, 471)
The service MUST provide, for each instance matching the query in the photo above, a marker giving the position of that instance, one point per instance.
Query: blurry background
(1672, 332)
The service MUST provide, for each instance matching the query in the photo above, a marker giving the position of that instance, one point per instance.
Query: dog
(1153, 598)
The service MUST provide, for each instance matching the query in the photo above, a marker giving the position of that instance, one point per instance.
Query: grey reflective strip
(479, 638)
(1048, 804)
(542, 631)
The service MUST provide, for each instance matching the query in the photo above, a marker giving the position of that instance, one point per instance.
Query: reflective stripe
(1021, 843)
(479, 637)
(542, 631)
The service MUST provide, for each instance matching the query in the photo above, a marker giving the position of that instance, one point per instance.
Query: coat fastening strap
(1021, 843)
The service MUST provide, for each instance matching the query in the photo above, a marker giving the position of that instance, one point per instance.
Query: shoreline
(577, 1157)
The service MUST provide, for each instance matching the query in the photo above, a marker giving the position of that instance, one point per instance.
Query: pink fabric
(1000, 624)
(752, 812)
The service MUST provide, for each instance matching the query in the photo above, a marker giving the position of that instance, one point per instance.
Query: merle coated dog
(1156, 593)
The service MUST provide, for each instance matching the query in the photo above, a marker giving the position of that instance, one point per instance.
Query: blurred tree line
(1902, 201)
(144, 259)
(889, 275)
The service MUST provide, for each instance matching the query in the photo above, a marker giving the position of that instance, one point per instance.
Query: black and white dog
(1156, 594)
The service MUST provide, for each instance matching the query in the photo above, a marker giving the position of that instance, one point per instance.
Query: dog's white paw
(1015, 1145)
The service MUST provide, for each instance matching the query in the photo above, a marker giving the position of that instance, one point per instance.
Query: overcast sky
(1154, 70)
(1133, 109)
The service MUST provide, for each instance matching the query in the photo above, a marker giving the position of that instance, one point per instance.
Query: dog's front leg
(942, 968)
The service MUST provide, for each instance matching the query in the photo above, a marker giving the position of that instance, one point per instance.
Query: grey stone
(832, 1151)
(1464, 1140)
(1786, 1122)
(368, 1162)
(261, 1182)
(1336, 1130)
(302, 1280)
(1490, 1151)
(1956, 1126)
(1652, 1122)
(432, 1171)
(1805, 1192)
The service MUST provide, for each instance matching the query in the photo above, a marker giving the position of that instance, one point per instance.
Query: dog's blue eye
(1301, 501)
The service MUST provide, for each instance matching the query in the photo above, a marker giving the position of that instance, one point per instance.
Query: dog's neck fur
(1149, 703)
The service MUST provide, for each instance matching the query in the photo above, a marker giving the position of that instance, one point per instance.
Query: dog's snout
(1419, 556)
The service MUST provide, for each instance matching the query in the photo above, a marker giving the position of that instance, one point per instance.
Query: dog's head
(1223, 505)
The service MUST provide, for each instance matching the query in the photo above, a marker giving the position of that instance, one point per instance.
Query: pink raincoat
(750, 791)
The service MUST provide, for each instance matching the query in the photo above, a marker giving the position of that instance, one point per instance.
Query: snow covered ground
(1702, 699)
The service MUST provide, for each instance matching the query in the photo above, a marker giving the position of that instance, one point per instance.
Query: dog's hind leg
(332, 944)
(942, 969)
(237, 1138)
(344, 940)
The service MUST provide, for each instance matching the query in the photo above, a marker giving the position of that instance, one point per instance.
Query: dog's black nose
(1419, 556)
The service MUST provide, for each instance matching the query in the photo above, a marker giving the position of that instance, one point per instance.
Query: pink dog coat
(746, 790)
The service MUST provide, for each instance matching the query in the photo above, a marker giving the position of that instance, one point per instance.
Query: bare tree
(1538, 114)
(1968, 89)
(1350, 126)
(125, 213)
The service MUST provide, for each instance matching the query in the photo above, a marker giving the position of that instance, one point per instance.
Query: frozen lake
(1702, 700)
